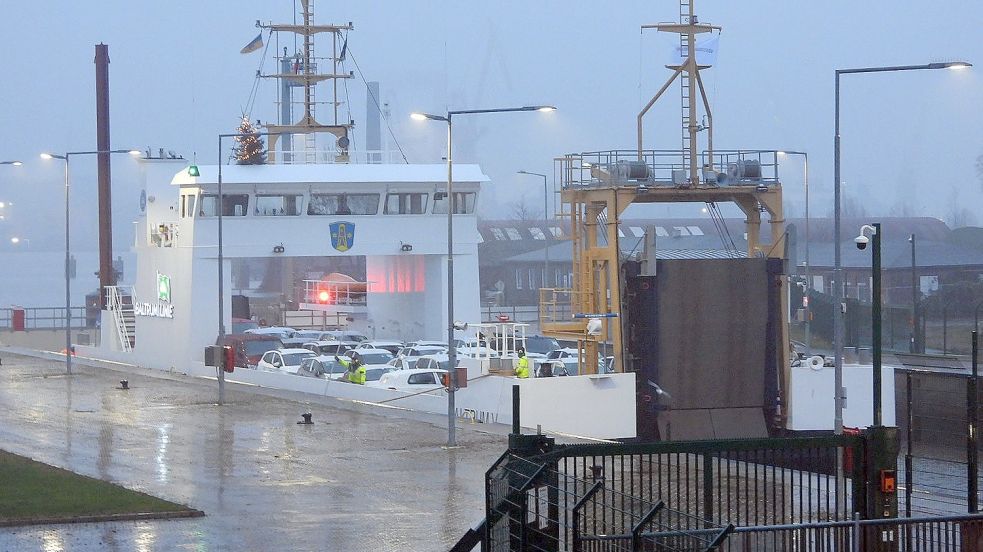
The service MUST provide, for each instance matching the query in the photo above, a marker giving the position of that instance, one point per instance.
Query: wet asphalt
(360, 478)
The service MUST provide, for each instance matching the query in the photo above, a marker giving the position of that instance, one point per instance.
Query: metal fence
(933, 534)
(43, 318)
(938, 415)
(672, 495)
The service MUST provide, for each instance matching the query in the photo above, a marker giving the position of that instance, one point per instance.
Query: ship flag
(344, 50)
(254, 44)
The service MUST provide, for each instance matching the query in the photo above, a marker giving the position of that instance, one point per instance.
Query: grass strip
(31, 490)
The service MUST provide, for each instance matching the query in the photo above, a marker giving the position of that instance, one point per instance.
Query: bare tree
(520, 209)
(959, 216)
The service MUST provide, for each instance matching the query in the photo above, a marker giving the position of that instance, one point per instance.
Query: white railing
(323, 156)
(116, 305)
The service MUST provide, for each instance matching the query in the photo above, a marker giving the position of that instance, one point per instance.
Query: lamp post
(193, 171)
(451, 346)
(68, 276)
(914, 299)
(837, 266)
(875, 311)
(546, 215)
(808, 274)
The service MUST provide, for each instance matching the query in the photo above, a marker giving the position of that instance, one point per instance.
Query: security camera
(861, 242)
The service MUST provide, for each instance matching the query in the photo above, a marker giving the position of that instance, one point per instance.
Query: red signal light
(323, 296)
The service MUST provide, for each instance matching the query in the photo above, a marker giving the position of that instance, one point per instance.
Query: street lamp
(451, 346)
(68, 293)
(14, 163)
(837, 267)
(194, 172)
(546, 215)
(808, 275)
(875, 310)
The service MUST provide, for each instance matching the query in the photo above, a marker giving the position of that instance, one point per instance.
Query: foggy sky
(910, 140)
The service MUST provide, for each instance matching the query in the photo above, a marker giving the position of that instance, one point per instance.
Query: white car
(400, 363)
(301, 337)
(371, 357)
(281, 332)
(414, 352)
(427, 343)
(413, 381)
(565, 362)
(392, 346)
(286, 361)
(329, 347)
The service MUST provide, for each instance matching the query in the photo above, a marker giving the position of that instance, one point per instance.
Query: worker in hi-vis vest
(355, 368)
(522, 367)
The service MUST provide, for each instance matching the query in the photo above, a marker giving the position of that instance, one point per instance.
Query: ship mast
(689, 73)
(303, 73)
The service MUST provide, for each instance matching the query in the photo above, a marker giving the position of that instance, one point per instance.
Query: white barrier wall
(811, 397)
(597, 407)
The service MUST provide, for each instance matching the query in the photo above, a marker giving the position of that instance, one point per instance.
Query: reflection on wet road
(352, 481)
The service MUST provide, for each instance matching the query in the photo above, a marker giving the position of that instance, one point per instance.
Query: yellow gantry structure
(596, 188)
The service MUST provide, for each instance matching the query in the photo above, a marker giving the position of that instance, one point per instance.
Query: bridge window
(406, 203)
(556, 231)
(499, 235)
(188, 205)
(637, 231)
(343, 204)
(277, 205)
(463, 203)
(518, 278)
(513, 234)
(695, 230)
(537, 233)
(233, 205)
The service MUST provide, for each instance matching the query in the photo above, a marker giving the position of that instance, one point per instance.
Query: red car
(250, 347)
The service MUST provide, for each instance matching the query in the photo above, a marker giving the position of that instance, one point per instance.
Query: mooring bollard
(306, 419)
(124, 385)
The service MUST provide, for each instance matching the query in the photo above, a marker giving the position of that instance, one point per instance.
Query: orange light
(323, 296)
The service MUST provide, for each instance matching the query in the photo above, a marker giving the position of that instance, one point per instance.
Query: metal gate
(684, 495)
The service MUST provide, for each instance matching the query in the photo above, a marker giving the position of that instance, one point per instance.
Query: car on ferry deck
(329, 347)
(241, 325)
(412, 381)
(565, 362)
(392, 346)
(324, 367)
(414, 352)
(286, 361)
(371, 357)
(282, 332)
(250, 347)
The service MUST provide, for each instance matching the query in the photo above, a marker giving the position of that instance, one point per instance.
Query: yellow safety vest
(522, 370)
(357, 376)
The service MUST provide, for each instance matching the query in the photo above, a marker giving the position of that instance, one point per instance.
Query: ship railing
(665, 168)
(303, 156)
(334, 292)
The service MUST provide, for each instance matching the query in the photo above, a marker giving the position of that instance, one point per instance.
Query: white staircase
(119, 301)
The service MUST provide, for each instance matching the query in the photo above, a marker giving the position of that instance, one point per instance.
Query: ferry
(321, 236)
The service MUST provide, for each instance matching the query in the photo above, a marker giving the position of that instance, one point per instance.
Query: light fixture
(950, 65)
(405, 247)
(47, 156)
(193, 170)
(418, 116)
(277, 248)
(134, 152)
(545, 108)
